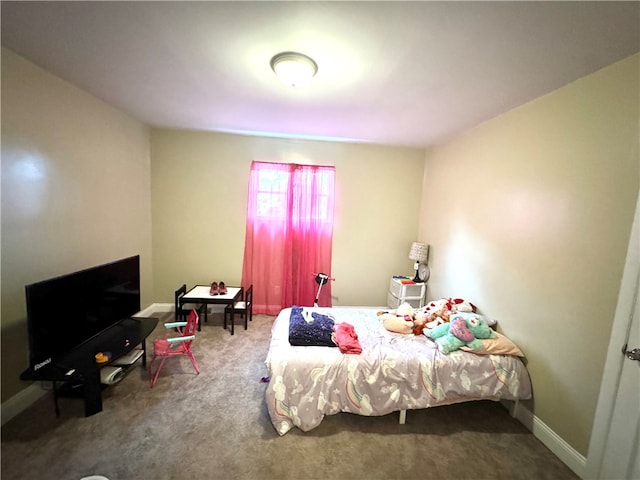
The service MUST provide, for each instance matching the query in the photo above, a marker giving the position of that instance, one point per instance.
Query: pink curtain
(289, 234)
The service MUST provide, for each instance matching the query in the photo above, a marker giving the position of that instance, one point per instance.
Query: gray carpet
(216, 425)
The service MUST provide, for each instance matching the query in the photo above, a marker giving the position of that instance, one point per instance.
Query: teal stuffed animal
(460, 331)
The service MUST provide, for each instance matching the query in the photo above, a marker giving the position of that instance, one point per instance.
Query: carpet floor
(215, 426)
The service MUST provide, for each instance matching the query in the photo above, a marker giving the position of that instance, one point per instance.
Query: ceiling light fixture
(294, 68)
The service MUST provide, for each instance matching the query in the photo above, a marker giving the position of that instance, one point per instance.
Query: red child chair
(164, 348)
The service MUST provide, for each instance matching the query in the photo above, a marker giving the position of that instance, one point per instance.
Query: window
(289, 233)
(273, 187)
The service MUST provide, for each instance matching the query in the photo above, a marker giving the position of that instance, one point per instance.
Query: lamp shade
(419, 252)
(293, 68)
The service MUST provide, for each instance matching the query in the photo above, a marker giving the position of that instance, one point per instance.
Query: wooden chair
(182, 311)
(167, 347)
(242, 307)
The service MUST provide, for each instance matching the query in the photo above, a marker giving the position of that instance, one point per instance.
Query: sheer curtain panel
(288, 235)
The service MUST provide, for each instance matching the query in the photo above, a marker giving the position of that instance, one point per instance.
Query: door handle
(631, 354)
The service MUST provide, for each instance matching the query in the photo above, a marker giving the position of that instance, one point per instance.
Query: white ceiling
(394, 73)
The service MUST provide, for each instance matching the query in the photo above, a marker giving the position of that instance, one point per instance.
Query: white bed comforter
(393, 372)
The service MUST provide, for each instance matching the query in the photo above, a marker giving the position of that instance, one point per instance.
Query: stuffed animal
(436, 308)
(405, 309)
(460, 331)
(439, 311)
(402, 321)
(419, 322)
(490, 321)
(461, 305)
(397, 324)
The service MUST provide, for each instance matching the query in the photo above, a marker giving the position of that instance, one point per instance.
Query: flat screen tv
(65, 311)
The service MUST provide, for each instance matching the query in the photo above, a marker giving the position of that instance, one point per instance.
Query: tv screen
(65, 311)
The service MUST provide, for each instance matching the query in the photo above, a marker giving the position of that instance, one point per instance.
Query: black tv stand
(79, 368)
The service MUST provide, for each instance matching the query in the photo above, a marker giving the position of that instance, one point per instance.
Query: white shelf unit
(411, 293)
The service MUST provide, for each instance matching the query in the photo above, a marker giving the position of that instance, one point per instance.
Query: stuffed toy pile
(405, 319)
(439, 312)
(460, 330)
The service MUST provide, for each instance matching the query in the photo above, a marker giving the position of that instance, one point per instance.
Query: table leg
(55, 399)
(144, 352)
(92, 393)
(232, 320)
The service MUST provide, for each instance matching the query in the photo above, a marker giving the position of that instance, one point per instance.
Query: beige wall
(75, 193)
(529, 216)
(199, 199)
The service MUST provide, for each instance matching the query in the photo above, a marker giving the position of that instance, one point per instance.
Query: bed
(393, 372)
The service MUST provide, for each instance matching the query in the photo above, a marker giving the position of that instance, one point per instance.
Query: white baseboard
(155, 307)
(561, 449)
(168, 307)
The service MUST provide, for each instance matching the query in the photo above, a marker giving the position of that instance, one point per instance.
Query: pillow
(500, 345)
